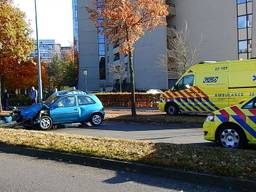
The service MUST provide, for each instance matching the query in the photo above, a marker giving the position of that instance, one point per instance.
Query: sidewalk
(118, 111)
(5, 113)
(151, 116)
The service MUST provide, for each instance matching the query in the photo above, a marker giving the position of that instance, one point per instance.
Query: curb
(192, 177)
(196, 124)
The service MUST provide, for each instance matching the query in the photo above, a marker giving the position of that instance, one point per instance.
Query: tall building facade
(219, 30)
(96, 57)
(75, 24)
(48, 49)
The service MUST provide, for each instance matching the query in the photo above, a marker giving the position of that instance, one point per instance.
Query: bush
(19, 100)
(123, 99)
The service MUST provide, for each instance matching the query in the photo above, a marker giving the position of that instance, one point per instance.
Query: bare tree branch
(181, 54)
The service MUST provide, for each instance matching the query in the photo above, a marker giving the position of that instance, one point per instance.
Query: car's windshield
(185, 83)
(50, 100)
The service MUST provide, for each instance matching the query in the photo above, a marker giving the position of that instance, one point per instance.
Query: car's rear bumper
(209, 131)
(161, 106)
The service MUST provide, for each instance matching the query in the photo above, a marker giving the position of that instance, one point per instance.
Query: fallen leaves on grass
(211, 160)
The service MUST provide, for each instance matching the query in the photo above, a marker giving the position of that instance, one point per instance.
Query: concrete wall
(88, 48)
(254, 30)
(148, 57)
(212, 25)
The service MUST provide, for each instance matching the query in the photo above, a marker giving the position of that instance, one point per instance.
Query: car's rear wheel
(231, 136)
(45, 123)
(96, 119)
(171, 109)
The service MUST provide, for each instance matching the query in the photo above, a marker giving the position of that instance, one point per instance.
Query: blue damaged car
(63, 107)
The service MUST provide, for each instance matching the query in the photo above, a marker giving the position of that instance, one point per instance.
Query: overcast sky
(54, 19)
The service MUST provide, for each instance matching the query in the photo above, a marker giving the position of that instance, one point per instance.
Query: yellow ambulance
(211, 86)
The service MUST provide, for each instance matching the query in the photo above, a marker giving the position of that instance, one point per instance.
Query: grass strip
(218, 161)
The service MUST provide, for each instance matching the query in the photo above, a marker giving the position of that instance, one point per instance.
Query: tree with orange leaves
(126, 21)
(25, 73)
(15, 41)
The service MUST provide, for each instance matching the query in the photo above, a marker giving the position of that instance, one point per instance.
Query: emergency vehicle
(211, 86)
(234, 126)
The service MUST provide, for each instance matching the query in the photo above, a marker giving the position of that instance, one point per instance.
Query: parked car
(234, 126)
(154, 91)
(63, 107)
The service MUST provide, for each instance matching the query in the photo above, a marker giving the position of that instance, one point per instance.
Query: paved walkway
(173, 133)
(30, 174)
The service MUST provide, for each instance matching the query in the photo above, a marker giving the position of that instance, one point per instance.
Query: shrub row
(123, 99)
(19, 100)
(218, 161)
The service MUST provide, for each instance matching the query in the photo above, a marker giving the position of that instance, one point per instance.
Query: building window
(243, 46)
(102, 63)
(242, 22)
(101, 49)
(116, 44)
(116, 56)
(244, 27)
(101, 45)
(126, 67)
(243, 1)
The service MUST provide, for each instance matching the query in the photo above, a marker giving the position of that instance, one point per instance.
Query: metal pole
(40, 86)
(86, 83)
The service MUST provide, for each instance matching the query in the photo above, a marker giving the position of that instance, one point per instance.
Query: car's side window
(250, 105)
(67, 102)
(84, 100)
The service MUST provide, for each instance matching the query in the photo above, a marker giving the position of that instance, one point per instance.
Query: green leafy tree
(70, 68)
(63, 72)
(15, 38)
(54, 72)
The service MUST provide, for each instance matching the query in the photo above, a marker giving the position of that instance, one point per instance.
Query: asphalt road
(29, 174)
(173, 133)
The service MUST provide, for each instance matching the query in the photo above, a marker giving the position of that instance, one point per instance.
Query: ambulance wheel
(231, 136)
(171, 109)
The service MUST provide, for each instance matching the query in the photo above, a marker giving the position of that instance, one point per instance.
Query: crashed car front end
(30, 115)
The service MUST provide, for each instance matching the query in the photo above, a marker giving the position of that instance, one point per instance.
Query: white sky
(54, 19)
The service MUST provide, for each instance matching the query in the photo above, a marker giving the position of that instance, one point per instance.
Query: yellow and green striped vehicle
(233, 126)
(211, 86)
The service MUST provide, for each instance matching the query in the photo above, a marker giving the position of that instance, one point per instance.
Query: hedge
(123, 99)
(19, 100)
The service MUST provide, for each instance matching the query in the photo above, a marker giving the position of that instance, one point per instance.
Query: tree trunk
(1, 108)
(132, 82)
(120, 84)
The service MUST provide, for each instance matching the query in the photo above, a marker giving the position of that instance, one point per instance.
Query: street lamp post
(40, 86)
(85, 75)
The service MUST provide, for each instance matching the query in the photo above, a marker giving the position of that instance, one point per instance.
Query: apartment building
(48, 48)
(218, 30)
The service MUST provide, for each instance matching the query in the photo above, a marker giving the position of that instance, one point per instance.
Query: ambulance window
(189, 80)
(250, 105)
(185, 83)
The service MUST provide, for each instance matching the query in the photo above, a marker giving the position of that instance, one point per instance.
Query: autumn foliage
(15, 44)
(22, 75)
(125, 22)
